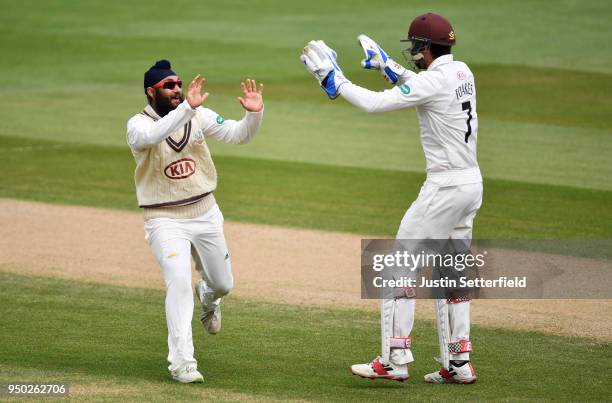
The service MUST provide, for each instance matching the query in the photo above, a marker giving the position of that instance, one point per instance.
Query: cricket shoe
(377, 370)
(187, 375)
(211, 309)
(463, 374)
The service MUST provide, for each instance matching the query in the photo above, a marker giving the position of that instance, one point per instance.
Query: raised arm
(232, 131)
(417, 90)
(143, 132)
(320, 60)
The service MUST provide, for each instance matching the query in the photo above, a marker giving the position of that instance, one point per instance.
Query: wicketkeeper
(444, 95)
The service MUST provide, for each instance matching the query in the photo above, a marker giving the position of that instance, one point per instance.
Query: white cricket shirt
(445, 99)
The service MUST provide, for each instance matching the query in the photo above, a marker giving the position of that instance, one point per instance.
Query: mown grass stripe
(358, 200)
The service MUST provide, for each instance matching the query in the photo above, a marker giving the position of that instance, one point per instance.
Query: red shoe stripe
(445, 374)
(379, 368)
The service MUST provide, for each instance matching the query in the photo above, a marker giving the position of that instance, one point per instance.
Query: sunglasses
(169, 85)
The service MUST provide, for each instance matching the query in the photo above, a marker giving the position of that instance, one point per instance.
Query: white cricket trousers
(174, 242)
(445, 208)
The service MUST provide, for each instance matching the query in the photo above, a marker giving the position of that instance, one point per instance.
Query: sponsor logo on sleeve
(180, 169)
(404, 89)
(220, 119)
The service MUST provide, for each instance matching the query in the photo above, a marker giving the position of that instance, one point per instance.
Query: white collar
(149, 109)
(440, 61)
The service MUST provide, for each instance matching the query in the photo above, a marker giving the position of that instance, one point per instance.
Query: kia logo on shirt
(180, 169)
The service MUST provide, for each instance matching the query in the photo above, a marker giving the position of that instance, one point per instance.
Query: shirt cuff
(186, 105)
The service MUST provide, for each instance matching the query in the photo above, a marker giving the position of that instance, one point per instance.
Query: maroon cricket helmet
(431, 28)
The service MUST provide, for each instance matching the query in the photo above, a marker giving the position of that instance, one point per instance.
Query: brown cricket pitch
(274, 264)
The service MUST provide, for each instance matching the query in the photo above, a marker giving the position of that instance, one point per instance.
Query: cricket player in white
(175, 179)
(444, 95)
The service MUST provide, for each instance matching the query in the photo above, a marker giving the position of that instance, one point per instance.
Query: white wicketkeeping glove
(320, 61)
(377, 59)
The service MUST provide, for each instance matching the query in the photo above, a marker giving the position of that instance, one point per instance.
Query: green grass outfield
(93, 334)
(72, 76)
(74, 73)
(360, 200)
(545, 128)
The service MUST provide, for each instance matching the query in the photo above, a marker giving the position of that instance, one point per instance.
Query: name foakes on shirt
(464, 89)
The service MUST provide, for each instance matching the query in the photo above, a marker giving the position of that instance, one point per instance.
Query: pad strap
(404, 292)
(457, 300)
(402, 343)
(461, 346)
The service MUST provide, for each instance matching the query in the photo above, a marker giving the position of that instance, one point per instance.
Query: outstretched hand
(194, 96)
(252, 99)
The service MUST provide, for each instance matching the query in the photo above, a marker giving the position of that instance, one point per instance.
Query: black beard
(163, 105)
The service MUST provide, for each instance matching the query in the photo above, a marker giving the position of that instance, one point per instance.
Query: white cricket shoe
(377, 370)
(463, 374)
(211, 310)
(187, 375)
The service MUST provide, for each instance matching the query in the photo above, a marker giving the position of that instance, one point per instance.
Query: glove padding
(377, 59)
(320, 61)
